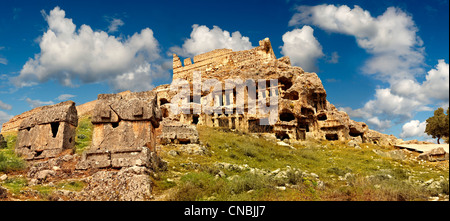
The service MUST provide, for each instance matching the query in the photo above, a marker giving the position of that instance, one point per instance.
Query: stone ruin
(436, 154)
(124, 131)
(178, 133)
(47, 132)
(303, 110)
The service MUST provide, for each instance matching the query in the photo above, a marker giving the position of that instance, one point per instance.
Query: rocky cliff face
(303, 110)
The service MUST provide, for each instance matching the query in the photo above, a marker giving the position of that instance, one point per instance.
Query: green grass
(16, 184)
(74, 185)
(9, 161)
(83, 136)
(368, 176)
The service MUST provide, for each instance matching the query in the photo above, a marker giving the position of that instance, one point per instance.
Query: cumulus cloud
(414, 128)
(389, 106)
(38, 103)
(380, 125)
(5, 106)
(64, 97)
(406, 97)
(397, 58)
(69, 54)
(391, 37)
(114, 25)
(302, 48)
(203, 39)
(437, 82)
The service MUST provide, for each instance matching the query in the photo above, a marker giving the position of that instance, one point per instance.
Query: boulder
(178, 133)
(128, 184)
(436, 154)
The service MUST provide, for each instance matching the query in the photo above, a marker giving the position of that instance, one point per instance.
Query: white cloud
(5, 106)
(437, 82)
(388, 107)
(407, 97)
(38, 103)
(397, 57)
(68, 54)
(302, 48)
(380, 125)
(203, 39)
(138, 78)
(114, 25)
(435, 87)
(414, 128)
(64, 97)
(334, 58)
(391, 37)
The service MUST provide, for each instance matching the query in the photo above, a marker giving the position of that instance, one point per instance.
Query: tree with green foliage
(438, 124)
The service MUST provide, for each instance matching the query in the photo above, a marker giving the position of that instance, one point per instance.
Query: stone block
(47, 132)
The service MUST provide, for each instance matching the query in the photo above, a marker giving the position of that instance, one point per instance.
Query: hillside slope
(238, 166)
(229, 165)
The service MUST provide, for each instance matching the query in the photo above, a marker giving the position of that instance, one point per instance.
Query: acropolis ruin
(303, 110)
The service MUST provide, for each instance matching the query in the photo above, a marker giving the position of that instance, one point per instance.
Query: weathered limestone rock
(55, 168)
(178, 133)
(303, 110)
(48, 132)
(3, 143)
(436, 154)
(128, 184)
(139, 156)
(124, 131)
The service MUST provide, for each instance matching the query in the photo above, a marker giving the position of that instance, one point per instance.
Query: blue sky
(383, 62)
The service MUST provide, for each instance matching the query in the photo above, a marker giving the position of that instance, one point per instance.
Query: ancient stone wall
(124, 131)
(48, 131)
(178, 133)
(211, 61)
(303, 110)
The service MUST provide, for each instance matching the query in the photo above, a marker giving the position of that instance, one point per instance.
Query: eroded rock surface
(47, 132)
(303, 110)
(124, 131)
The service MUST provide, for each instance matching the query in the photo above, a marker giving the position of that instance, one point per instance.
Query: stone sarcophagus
(48, 132)
(124, 131)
